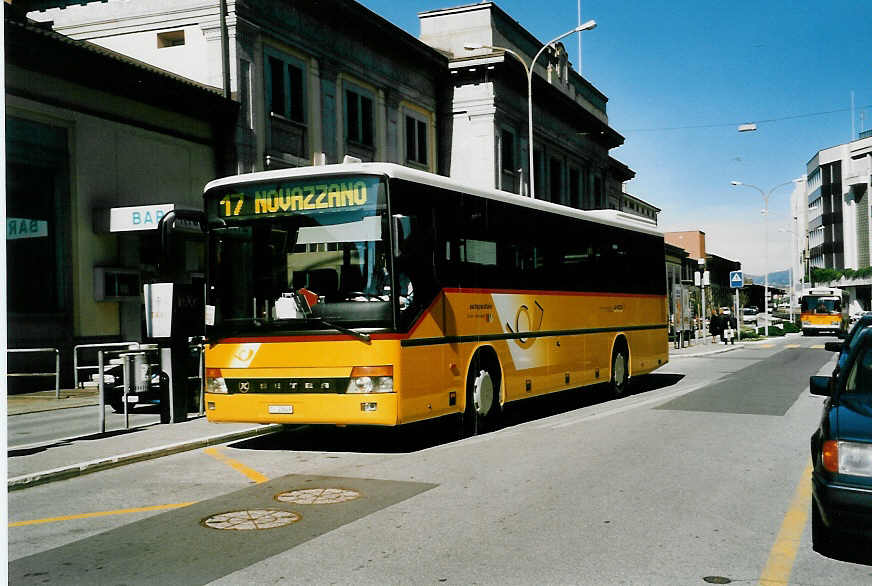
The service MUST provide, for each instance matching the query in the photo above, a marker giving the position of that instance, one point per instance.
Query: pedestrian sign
(736, 280)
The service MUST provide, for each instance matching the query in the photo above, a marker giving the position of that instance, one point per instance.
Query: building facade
(313, 84)
(89, 131)
(837, 192)
(490, 144)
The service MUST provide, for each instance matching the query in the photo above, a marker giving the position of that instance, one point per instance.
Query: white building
(837, 192)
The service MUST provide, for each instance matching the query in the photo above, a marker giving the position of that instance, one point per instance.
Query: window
(556, 180)
(37, 222)
(416, 140)
(284, 80)
(507, 151)
(170, 39)
(860, 377)
(358, 118)
(575, 188)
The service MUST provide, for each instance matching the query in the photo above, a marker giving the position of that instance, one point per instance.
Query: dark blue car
(841, 449)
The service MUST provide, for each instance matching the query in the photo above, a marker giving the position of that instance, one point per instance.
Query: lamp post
(793, 254)
(590, 24)
(765, 245)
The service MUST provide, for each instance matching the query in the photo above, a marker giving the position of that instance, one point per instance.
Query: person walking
(716, 327)
(733, 324)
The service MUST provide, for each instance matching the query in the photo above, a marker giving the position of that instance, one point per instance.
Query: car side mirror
(834, 346)
(819, 385)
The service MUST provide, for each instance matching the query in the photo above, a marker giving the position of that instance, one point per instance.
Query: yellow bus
(376, 294)
(824, 309)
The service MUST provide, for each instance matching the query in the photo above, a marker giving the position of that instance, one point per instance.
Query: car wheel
(482, 398)
(620, 375)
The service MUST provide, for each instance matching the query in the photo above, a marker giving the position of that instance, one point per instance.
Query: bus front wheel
(620, 372)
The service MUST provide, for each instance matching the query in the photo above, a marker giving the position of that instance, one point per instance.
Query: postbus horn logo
(524, 323)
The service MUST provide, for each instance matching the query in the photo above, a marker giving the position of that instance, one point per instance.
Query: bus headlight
(835, 322)
(371, 379)
(215, 383)
(806, 323)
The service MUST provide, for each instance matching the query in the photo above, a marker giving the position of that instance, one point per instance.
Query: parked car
(841, 449)
(749, 315)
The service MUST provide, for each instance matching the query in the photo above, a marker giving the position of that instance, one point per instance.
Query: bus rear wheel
(482, 398)
(620, 372)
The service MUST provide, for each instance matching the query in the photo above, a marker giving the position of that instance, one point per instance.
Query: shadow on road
(427, 434)
(29, 451)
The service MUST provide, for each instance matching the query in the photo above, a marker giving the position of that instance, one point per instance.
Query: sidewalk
(705, 347)
(69, 457)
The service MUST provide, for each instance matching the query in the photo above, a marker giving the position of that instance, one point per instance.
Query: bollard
(102, 393)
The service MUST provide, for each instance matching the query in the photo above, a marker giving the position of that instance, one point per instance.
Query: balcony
(857, 172)
(287, 137)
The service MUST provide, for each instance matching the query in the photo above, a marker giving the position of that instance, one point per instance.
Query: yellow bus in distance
(376, 294)
(824, 309)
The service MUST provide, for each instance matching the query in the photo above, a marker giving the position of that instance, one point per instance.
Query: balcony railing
(287, 136)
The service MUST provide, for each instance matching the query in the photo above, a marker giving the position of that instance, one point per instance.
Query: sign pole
(738, 319)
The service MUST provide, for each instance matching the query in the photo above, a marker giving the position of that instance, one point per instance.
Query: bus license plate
(281, 409)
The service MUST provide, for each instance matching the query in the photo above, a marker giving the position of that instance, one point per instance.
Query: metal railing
(129, 379)
(77, 367)
(56, 373)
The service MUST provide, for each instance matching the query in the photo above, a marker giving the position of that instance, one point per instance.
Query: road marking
(783, 552)
(100, 514)
(766, 346)
(250, 473)
(793, 346)
(819, 346)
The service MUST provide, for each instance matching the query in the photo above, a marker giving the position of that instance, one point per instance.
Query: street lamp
(793, 254)
(765, 245)
(590, 24)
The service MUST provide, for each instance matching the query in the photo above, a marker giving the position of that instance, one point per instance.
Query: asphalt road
(700, 474)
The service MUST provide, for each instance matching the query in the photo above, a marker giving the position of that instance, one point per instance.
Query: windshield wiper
(342, 329)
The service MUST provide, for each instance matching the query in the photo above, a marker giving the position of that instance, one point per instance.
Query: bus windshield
(299, 254)
(821, 305)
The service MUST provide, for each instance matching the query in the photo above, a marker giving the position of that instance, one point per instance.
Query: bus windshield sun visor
(366, 230)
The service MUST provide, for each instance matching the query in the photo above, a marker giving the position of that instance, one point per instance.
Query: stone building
(89, 131)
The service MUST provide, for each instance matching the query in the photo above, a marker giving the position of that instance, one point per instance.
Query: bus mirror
(401, 226)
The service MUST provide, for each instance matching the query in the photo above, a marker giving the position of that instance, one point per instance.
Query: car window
(860, 377)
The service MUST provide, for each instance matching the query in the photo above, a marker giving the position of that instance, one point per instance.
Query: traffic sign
(736, 280)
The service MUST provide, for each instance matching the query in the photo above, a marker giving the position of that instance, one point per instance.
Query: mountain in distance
(776, 278)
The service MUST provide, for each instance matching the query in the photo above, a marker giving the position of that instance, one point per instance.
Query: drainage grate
(251, 520)
(318, 496)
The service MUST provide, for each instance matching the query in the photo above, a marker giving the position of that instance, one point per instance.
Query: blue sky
(666, 66)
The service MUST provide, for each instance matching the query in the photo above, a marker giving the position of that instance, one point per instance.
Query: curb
(706, 353)
(74, 470)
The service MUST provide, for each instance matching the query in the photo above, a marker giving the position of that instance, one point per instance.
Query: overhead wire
(734, 124)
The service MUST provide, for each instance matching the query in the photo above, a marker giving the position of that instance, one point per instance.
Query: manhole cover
(318, 496)
(251, 519)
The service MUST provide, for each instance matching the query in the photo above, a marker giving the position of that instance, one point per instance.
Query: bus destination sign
(260, 201)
